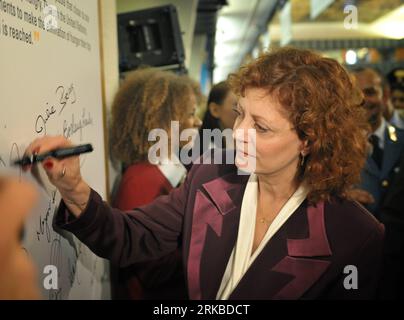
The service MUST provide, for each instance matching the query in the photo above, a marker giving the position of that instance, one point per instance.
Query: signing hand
(64, 174)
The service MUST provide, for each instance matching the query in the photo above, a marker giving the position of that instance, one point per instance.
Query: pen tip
(21, 162)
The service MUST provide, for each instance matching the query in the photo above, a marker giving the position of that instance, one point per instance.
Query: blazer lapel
(215, 222)
(289, 264)
(299, 262)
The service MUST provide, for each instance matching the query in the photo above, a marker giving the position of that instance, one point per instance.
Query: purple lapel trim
(205, 213)
(208, 212)
(317, 243)
(221, 199)
(305, 272)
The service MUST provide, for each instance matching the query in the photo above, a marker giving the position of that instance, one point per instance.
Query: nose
(240, 131)
(240, 135)
(197, 122)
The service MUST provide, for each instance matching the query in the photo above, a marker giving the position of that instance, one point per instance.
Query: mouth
(374, 115)
(373, 108)
(244, 154)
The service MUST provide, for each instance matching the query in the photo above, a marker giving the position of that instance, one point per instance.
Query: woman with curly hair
(149, 99)
(285, 231)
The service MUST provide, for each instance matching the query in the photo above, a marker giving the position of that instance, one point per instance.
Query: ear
(214, 109)
(305, 150)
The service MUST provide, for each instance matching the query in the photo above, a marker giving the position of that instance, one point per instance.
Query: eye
(238, 113)
(260, 128)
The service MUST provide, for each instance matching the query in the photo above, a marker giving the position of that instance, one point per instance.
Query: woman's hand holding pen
(64, 174)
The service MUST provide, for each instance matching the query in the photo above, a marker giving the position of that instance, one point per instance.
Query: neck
(277, 187)
(168, 155)
(377, 124)
(388, 112)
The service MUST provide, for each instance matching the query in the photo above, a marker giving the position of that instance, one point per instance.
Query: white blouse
(173, 170)
(241, 258)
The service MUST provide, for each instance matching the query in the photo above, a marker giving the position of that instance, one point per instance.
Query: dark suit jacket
(393, 204)
(305, 258)
(392, 216)
(378, 181)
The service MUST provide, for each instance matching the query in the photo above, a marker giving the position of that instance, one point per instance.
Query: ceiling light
(350, 57)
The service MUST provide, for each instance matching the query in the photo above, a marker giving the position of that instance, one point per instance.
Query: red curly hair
(324, 106)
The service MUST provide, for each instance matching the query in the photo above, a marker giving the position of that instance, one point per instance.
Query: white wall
(198, 56)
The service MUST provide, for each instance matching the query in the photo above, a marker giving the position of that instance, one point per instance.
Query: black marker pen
(58, 154)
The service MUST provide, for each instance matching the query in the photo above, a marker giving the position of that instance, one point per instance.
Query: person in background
(392, 216)
(150, 99)
(387, 144)
(397, 96)
(396, 88)
(219, 113)
(395, 108)
(18, 276)
(286, 230)
(392, 208)
(396, 76)
(380, 184)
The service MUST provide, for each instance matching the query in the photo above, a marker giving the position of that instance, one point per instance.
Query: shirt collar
(173, 170)
(379, 132)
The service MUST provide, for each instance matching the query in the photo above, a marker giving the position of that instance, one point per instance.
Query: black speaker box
(150, 37)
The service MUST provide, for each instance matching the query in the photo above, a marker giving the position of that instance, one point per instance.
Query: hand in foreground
(18, 278)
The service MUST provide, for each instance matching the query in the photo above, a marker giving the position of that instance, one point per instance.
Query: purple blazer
(305, 259)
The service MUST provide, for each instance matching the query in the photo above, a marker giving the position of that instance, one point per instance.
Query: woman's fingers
(40, 145)
(47, 143)
(54, 168)
(63, 173)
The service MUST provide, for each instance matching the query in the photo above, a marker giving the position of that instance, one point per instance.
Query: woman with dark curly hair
(285, 231)
(149, 99)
